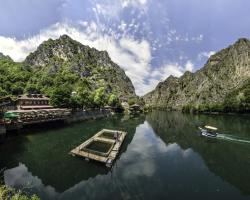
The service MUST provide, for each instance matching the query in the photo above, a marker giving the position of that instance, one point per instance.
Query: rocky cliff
(66, 56)
(3, 57)
(72, 74)
(224, 72)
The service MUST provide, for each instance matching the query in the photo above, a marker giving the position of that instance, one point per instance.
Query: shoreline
(87, 115)
(199, 112)
(76, 116)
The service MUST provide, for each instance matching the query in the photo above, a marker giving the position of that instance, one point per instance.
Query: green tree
(74, 102)
(113, 100)
(84, 94)
(85, 98)
(100, 98)
(31, 88)
(3, 92)
(16, 88)
(61, 97)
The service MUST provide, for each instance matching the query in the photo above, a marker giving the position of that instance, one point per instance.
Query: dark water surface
(163, 157)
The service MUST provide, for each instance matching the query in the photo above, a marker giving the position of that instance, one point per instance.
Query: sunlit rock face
(94, 66)
(224, 72)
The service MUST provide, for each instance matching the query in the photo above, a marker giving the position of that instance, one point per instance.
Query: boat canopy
(211, 128)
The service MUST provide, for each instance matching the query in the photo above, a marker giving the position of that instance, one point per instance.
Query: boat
(209, 131)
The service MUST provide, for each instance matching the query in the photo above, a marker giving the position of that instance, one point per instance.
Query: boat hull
(208, 134)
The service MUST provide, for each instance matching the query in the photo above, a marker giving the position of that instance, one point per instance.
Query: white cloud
(198, 38)
(162, 73)
(83, 23)
(189, 66)
(110, 10)
(122, 26)
(140, 49)
(205, 54)
(134, 56)
(134, 3)
(167, 70)
(113, 8)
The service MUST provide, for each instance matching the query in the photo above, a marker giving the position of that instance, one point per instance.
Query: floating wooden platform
(108, 146)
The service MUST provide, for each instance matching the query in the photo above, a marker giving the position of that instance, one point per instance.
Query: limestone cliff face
(2, 56)
(65, 55)
(223, 73)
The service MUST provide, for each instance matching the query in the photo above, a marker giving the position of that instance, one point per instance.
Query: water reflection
(20, 178)
(135, 172)
(230, 161)
(161, 158)
(45, 159)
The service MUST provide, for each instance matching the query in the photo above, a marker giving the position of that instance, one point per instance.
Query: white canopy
(211, 128)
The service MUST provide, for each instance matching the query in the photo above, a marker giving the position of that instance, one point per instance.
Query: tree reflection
(229, 160)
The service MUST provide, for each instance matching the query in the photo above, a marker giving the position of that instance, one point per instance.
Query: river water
(163, 157)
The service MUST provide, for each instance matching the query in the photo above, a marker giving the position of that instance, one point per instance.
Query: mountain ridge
(69, 65)
(225, 71)
(89, 63)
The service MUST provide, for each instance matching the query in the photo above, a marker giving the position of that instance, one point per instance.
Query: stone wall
(74, 117)
(85, 115)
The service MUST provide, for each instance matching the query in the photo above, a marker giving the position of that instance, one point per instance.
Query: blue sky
(149, 39)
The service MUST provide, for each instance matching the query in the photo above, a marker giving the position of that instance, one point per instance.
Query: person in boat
(116, 136)
(209, 131)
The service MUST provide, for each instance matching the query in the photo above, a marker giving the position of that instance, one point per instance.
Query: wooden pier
(111, 140)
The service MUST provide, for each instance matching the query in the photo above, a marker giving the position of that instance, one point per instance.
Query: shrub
(7, 193)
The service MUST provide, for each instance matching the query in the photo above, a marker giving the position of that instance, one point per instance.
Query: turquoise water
(163, 157)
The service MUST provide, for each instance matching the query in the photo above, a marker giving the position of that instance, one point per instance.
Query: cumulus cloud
(134, 56)
(170, 69)
(113, 8)
(205, 54)
(161, 73)
(189, 66)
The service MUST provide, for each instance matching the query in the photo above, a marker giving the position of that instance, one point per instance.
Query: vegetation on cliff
(13, 77)
(236, 101)
(222, 85)
(72, 74)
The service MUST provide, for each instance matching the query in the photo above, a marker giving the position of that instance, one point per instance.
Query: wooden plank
(112, 154)
(101, 139)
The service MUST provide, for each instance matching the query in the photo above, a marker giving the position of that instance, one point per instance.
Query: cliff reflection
(44, 157)
(229, 160)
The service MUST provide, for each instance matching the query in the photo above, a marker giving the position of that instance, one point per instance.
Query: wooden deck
(105, 157)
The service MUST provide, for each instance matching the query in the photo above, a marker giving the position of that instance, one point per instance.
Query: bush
(132, 101)
(7, 193)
